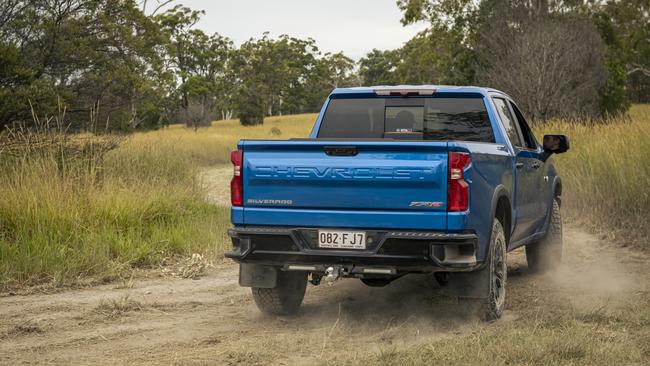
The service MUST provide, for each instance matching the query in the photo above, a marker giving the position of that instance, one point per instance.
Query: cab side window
(508, 121)
(526, 132)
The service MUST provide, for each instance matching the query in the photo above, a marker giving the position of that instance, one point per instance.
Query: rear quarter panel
(489, 171)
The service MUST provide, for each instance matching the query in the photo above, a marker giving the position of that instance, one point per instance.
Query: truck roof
(437, 88)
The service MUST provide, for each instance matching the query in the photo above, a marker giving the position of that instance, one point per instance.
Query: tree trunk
(542, 7)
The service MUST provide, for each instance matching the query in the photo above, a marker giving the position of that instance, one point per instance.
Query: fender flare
(499, 192)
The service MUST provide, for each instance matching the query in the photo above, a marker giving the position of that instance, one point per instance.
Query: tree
(553, 67)
(206, 70)
(436, 56)
(272, 75)
(202, 65)
(176, 24)
(378, 67)
(333, 70)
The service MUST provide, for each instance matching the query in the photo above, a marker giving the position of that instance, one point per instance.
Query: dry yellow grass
(209, 146)
(606, 174)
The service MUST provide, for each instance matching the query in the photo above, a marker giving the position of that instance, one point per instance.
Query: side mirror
(554, 144)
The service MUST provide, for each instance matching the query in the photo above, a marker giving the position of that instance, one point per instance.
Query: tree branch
(638, 68)
(160, 6)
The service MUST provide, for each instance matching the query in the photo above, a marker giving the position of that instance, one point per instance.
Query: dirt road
(211, 320)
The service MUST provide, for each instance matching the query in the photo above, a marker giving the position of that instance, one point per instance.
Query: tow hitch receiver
(332, 274)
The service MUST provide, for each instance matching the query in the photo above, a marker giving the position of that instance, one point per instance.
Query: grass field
(65, 216)
(606, 175)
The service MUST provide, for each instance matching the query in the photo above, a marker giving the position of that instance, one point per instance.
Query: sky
(354, 27)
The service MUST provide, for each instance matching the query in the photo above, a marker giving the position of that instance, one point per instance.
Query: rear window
(463, 119)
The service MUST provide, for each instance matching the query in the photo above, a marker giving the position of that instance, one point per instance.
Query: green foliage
(331, 71)
(614, 99)
(378, 67)
(83, 54)
(625, 27)
(285, 75)
(442, 14)
(200, 63)
(251, 106)
(436, 56)
(138, 71)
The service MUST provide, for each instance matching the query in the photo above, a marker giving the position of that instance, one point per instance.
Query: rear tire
(285, 298)
(491, 308)
(546, 255)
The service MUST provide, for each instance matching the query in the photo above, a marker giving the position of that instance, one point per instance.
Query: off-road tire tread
(486, 308)
(285, 298)
(541, 256)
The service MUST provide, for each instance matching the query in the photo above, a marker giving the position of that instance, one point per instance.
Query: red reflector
(457, 188)
(237, 184)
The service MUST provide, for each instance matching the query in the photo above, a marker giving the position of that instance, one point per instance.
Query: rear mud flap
(470, 284)
(254, 275)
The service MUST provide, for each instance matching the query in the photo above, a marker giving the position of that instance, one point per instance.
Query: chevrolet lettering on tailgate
(341, 172)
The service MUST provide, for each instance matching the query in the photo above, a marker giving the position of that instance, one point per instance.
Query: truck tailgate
(314, 182)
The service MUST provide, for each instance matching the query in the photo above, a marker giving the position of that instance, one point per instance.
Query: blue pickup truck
(396, 180)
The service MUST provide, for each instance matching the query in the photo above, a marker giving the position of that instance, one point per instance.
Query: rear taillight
(457, 188)
(236, 184)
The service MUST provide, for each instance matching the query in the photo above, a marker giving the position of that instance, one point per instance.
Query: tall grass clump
(209, 146)
(606, 174)
(77, 205)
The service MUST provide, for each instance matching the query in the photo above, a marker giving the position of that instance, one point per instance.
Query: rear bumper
(401, 251)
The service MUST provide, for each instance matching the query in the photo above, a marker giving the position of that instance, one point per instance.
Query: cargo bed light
(403, 92)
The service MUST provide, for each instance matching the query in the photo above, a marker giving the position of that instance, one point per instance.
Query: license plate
(341, 239)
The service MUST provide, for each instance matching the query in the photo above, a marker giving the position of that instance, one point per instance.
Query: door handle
(519, 165)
